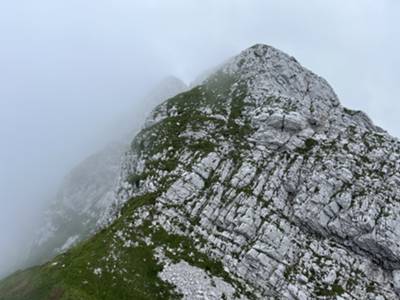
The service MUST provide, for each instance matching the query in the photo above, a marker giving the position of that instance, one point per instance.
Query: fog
(70, 69)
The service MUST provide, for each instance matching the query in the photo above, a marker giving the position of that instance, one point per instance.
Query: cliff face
(255, 184)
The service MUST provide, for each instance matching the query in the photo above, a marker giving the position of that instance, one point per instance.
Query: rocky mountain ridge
(255, 184)
(325, 172)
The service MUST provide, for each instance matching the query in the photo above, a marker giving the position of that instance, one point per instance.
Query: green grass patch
(334, 290)
(309, 144)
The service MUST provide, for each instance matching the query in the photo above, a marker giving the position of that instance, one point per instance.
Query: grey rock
(294, 199)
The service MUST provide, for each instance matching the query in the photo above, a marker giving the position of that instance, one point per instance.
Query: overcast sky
(68, 69)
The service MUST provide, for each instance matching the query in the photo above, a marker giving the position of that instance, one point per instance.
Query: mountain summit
(255, 184)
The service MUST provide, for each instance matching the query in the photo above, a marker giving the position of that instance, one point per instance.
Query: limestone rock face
(295, 194)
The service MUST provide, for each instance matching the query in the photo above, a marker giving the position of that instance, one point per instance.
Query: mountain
(255, 184)
(88, 189)
(84, 194)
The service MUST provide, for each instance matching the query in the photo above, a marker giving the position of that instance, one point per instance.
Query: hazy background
(68, 69)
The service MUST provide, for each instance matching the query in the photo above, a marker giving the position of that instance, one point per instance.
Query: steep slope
(256, 184)
(88, 190)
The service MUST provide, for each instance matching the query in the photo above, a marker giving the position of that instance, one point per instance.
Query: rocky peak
(263, 162)
(275, 72)
(288, 98)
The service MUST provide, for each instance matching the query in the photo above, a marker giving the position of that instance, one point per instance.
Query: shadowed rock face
(260, 169)
(297, 195)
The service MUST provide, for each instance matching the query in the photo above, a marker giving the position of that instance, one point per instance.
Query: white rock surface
(195, 283)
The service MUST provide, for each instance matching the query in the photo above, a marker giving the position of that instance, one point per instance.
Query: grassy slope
(71, 275)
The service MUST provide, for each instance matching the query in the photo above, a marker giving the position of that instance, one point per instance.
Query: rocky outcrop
(295, 194)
